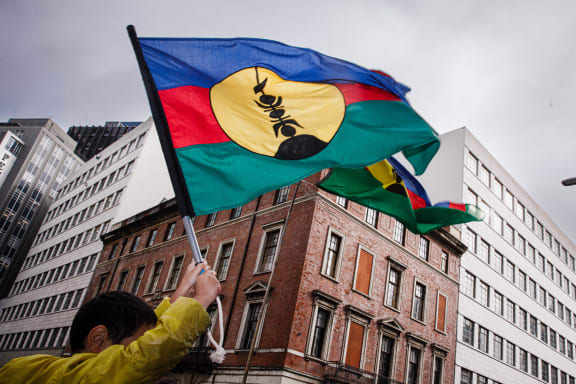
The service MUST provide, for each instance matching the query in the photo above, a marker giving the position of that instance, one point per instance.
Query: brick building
(354, 296)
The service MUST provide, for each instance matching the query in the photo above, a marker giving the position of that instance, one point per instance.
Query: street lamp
(570, 181)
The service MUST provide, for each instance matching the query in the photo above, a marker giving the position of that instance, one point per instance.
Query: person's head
(110, 318)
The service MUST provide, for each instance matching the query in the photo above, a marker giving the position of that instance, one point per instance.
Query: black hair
(120, 312)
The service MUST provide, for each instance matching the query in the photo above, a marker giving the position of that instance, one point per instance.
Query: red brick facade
(311, 293)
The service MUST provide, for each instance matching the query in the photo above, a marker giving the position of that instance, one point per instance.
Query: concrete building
(517, 306)
(93, 139)
(355, 298)
(38, 159)
(51, 283)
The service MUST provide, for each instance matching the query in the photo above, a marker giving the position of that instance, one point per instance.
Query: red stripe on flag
(190, 116)
(354, 93)
(460, 207)
(416, 201)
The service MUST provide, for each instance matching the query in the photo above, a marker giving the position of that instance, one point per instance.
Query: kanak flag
(241, 117)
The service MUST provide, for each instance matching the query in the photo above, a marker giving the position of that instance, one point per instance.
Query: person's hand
(206, 289)
(186, 286)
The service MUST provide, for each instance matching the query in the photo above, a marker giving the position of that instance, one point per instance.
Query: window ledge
(392, 308)
(369, 297)
(330, 278)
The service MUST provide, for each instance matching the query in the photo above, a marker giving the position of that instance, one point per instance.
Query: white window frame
(265, 230)
(168, 278)
(401, 268)
(360, 248)
(424, 309)
(445, 313)
(148, 289)
(258, 333)
(327, 304)
(219, 257)
(353, 317)
(336, 277)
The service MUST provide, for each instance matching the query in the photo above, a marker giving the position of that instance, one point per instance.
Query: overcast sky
(504, 69)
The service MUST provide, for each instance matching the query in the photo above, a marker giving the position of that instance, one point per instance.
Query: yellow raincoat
(142, 361)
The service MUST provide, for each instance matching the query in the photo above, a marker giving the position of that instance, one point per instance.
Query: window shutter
(441, 313)
(363, 272)
(354, 348)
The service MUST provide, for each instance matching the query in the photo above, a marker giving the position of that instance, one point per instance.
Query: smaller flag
(390, 188)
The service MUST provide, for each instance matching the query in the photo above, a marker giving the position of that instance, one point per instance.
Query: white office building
(517, 302)
(125, 178)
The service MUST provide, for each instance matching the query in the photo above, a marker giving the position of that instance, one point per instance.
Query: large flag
(390, 188)
(241, 117)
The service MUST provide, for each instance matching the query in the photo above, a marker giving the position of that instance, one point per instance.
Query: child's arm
(160, 349)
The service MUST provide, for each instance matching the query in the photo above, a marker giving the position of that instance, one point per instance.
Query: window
(169, 231)
(468, 332)
(363, 276)
(342, 201)
(444, 262)
(485, 175)
(419, 302)
(522, 280)
(424, 248)
(321, 332)
(522, 319)
(210, 220)
(470, 284)
(414, 358)
(235, 212)
(371, 217)
(438, 375)
(151, 237)
(281, 195)
(135, 243)
(509, 271)
(482, 380)
(399, 232)
(545, 371)
(471, 240)
(122, 280)
(497, 347)
(386, 364)
(113, 251)
(499, 303)
(137, 279)
(533, 326)
(510, 354)
(268, 250)
(472, 163)
(523, 359)
(483, 339)
(543, 332)
(332, 255)
(498, 262)
(174, 272)
(511, 311)
(224, 257)
(250, 323)
(465, 376)
(484, 294)
(441, 308)
(393, 287)
(553, 341)
(154, 277)
(484, 252)
(101, 283)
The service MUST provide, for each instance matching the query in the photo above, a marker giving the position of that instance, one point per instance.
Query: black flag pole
(180, 189)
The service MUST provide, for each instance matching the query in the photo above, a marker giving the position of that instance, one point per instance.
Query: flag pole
(189, 227)
(176, 176)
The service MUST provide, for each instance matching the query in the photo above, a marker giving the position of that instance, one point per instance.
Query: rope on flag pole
(217, 356)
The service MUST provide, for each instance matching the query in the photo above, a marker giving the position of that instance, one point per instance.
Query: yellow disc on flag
(268, 115)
